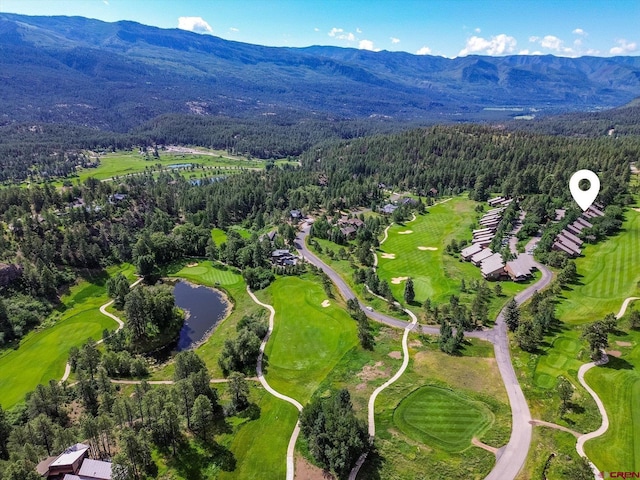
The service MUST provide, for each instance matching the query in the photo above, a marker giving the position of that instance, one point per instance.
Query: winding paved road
(514, 454)
(267, 387)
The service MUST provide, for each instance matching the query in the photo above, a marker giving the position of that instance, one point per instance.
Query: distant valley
(115, 76)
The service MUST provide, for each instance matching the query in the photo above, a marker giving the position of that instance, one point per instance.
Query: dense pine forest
(51, 236)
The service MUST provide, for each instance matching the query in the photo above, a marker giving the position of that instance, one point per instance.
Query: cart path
(514, 454)
(542, 423)
(604, 426)
(67, 368)
(265, 384)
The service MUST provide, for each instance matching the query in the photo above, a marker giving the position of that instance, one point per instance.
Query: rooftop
(70, 455)
(95, 469)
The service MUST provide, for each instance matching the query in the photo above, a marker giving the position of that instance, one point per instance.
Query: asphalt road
(513, 456)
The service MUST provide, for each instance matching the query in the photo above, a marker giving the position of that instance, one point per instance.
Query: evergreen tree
(202, 416)
(409, 293)
(239, 391)
(512, 315)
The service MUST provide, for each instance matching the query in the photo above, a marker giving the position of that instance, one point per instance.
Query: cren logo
(619, 474)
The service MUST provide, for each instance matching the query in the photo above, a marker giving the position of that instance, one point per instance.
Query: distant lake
(204, 308)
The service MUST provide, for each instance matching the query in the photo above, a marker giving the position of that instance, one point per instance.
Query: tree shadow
(372, 465)
(617, 363)
(252, 412)
(192, 460)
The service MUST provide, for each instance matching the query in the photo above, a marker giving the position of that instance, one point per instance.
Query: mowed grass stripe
(442, 418)
(609, 273)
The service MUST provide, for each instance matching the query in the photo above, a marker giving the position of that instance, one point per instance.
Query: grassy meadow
(412, 439)
(42, 354)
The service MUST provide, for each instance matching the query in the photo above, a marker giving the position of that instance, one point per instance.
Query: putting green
(439, 417)
(206, 273)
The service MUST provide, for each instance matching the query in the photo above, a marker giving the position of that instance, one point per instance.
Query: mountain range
(116, 76)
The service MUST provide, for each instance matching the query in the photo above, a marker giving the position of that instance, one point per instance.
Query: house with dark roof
(561, 247)
(389, 209)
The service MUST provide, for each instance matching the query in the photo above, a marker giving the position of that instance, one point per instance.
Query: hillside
(117, 75)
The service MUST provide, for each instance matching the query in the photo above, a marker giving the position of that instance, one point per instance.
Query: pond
(204, 308)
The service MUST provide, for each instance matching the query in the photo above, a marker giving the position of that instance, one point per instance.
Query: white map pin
(584, 198)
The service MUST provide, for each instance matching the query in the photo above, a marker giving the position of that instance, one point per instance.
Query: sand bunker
(390, 256)
(614, 353)
(397, 355)
(428, 248)
(326, 303)
(192, 265)
(406, 232)
(623, 344)
(398, 280)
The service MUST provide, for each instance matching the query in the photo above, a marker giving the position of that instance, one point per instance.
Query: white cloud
(579, 31)
(106, 2)
(424, 51)
(234, 29)
(496, 45)
(194, 24)
(316, 29)
(523, 52)
(551, 42)
(592, 51)
(358, 30)
(623, 47)
(477, 30)
(367, 45)
(394, 40)
(340, 34)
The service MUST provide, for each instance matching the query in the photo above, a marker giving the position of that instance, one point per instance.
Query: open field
(608, 274)
(472, 377)
(440, 417)
(128, 162)
(42, 354)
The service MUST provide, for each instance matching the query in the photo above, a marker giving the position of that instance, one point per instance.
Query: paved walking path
(103, 310)
(542, 423)
(604, 426)
(265, 384)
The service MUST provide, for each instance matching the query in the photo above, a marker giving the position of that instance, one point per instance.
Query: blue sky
(438, 27)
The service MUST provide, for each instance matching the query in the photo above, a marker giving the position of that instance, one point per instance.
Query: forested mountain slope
(118, 75)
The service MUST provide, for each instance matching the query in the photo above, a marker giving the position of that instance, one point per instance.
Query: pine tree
(409, 293)
(512, 315)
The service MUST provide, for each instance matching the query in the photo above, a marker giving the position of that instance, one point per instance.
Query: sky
(448, 28)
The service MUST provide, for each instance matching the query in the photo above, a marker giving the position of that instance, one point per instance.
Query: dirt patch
(398, 280)
(614, 353)
(306, 471)
(636, 209)
(484, 446)
(194, 264)
(371, 372)
(397, 355)
(390, 256)
(415, 343)
(406, 232)
(431, 249)
(326, 303)
(623, 344)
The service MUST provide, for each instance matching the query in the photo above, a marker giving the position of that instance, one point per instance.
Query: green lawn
(42, 355)
(608, 272)
(438, 416)
(308, 339)
(618, 385)
(436, 275)
(219, 236)
(125, 162)
(411, 440)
